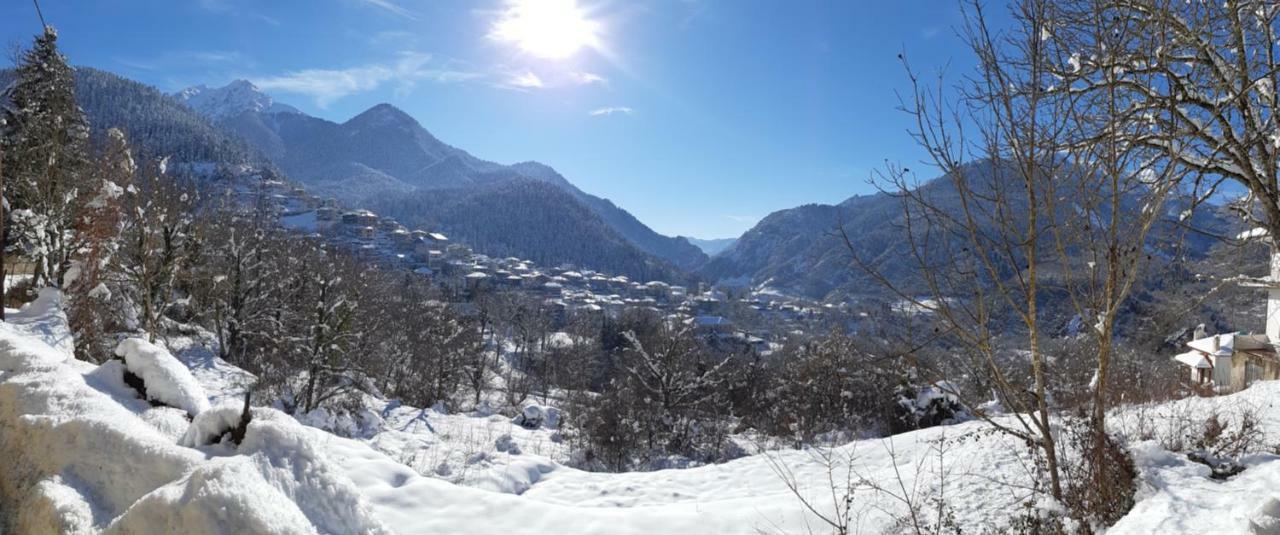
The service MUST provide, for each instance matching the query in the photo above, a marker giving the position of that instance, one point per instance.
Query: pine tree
(45, 158)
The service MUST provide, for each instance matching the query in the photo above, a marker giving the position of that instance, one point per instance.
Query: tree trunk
(3, 276)
(1273, 295)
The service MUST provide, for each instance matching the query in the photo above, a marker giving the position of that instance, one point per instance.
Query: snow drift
(79, 453)
(166, 379)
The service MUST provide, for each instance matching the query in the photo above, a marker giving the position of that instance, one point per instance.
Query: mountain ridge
(386, 143)
(800, 250)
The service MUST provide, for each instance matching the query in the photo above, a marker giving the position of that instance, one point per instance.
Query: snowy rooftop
(1194, 359)
(1218, 345)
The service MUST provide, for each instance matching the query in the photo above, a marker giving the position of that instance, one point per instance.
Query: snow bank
(212, 499)
(279, 464)
(20, 352)
(1176, 495)
(64, 444)
(166, 378)
(45, 320)
(77, 455)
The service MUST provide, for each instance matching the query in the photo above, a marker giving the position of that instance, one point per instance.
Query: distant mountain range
(384, 160)
(230, 100)
(712, 247)
(383, 156)
(800, 250)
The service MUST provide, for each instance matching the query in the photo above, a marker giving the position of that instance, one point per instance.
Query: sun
(553, 29)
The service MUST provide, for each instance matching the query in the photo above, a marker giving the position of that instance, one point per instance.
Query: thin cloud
(694, 10)
(612, 110)
(586, 78)
(526, 80)
(265, 19)
(327, 85)
(742, 218)
(175, 59)
(393, 8)
(216, 56)
(234, 8)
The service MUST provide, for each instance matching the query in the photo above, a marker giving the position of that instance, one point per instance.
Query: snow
(1258, 232)
(208, 427)
(43, 319)
(231, 100)
(1175, 494)
(220, 380)
(80, 453)
(276, 481)
(742, 496)
(167, 379)
(1193, 359)
(303, 222)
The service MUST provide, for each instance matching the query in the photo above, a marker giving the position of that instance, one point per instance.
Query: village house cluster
(570, 293)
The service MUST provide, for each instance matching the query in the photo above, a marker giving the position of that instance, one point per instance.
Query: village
(731, 319)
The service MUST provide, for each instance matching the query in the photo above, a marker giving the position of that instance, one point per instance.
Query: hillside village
(570, 293)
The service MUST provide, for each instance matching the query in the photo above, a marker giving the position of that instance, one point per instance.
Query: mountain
(155, 124)
(383, 153)
(712, 247)
(503, 218)
(676, 250)
(228, 101)
(800, 250)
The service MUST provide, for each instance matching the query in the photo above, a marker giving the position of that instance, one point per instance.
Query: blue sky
(698, 116)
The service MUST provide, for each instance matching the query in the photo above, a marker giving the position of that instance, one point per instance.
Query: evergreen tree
(45, 157)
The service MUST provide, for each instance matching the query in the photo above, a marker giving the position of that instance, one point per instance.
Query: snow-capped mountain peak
(230, 100)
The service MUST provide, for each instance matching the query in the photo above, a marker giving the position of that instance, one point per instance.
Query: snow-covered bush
(921, 406)
(533, 416)
(356, 422)
(164, 379)
(213, 426)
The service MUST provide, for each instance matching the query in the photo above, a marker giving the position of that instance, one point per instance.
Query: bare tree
(669, 369)
(92, 312)
(1051, 197)
(1115, 198)
(158, 239)
(243, 281)
(323, 334)
(981, 237)
(1202, 84)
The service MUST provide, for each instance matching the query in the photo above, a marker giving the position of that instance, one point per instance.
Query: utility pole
(40, 14)
(3, 279)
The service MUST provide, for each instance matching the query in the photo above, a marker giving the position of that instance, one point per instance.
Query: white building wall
(1222, 372)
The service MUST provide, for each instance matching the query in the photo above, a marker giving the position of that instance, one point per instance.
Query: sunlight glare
(553, 29)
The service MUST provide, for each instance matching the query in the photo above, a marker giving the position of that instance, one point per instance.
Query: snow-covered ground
(80, 452)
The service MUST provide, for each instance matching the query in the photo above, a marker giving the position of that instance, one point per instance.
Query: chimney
(1216, 339)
